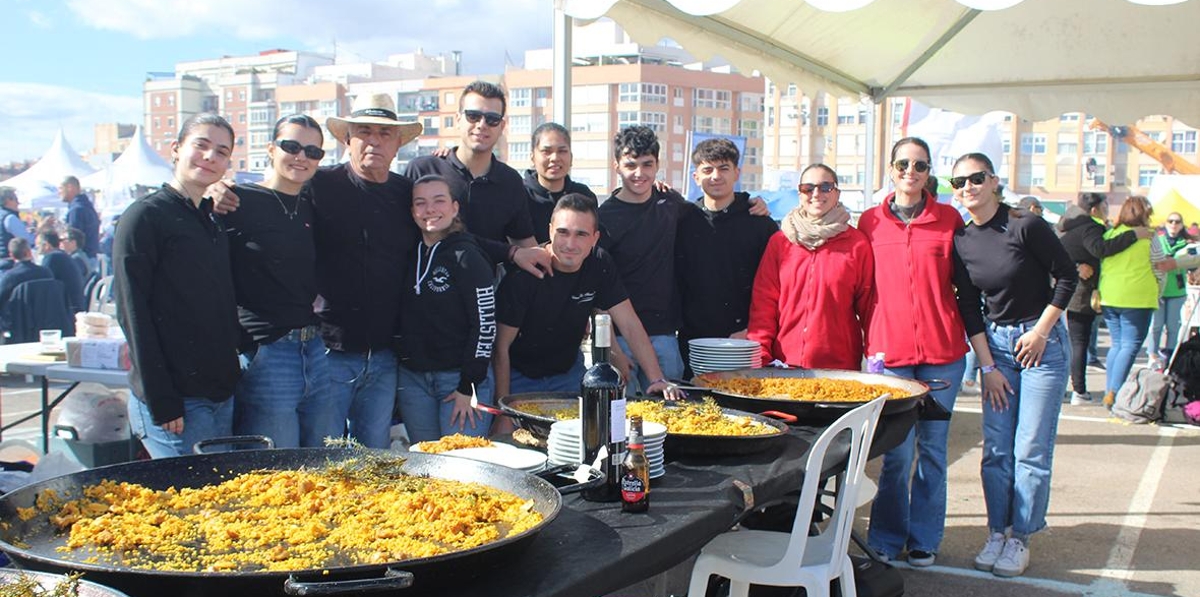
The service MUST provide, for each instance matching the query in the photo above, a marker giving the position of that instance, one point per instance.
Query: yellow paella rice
(453, 442)
(287, 520)
(551, 412)
(806, 389)
(691, 418)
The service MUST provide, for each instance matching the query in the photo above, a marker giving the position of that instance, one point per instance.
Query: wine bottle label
(617, 416)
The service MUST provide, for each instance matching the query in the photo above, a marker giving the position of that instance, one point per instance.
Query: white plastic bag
(96, 414)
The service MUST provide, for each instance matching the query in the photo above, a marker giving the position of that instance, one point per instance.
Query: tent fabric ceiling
(1114, 59)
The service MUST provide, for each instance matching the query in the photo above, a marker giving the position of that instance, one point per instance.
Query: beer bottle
(635, 471)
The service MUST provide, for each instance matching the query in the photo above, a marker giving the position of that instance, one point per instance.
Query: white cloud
(40, 20)
(483, 30)
(31, 114)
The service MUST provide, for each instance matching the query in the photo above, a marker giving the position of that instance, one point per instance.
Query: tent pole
(561, 82)
(869, 175)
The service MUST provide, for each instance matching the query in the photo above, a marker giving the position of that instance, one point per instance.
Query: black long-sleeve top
(273, 260)
(364, 234)
(175, 302)
(716, 259)
(543, 200)
(1083, 238)
(449, 310)
(1017, 263)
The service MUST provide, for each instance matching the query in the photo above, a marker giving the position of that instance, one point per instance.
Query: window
(752, 102)
(1037, 175)
(591, 149)
(241, 95)
(520, 97)
(897, 113)
(430, 125)
(751, 157)
(792, 90)
(1146, 175)
(448, 98)
(589, 123)
(1069, 117)
(171, 122)
(1095, 142)
(326, 109)
(259, 139)
(1068, 143)
(242, 117)
(1183, 142)
(1099, 175)
(862, 115)
(1006, 145)
(845, 112)
(157, 123)
(229, 95)
(712, 98)
(749, 128)
(845, 179)
(1033, 143)
(157, 101)
(262, 116)
(447, 122)
(642, 92)
(655, 120)
(171, 100)
(520, 125)
(518, 152)
(711, 124)
(822, 116)
(542, 94)
(584, 95)
(750, 182)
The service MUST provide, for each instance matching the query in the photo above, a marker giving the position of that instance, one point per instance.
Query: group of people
(67, 253)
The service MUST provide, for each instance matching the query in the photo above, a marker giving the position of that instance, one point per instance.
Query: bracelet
(985, 369)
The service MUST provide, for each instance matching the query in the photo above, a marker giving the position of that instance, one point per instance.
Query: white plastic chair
(795, 559)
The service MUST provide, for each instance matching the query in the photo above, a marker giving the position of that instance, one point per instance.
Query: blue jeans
(363, 388)
(427, 415)
(284, 395)
(1168, 315)
(202, 419)
(563, 382)
(1018, 442)
(1127, 328)
(666, 347)
(917, 520)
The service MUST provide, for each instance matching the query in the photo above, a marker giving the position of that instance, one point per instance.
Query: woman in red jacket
(917, 323)
(814, 283)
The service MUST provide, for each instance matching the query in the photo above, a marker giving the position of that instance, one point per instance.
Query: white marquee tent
(137, 165)
(37, 187)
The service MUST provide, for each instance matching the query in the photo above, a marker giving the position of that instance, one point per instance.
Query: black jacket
(175, 302)
(449, 310)
(21, 271)
(64, 269)
(1083, 238)
(82, 215)
(543, 200)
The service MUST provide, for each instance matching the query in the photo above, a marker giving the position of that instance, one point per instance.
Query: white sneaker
(987, 557)
(1078, 399)
(1013, 560)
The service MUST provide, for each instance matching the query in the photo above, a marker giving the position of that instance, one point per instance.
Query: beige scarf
(801, 229)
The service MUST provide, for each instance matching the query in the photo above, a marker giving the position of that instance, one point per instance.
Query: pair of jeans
(1018, 442)
(1168, 316)
(363, 389)
(666, 347)
(910, 508)
(562, 382)
(425, 411)
(284, 395)
(1079, 327)
(1127, 329)
(202, 419)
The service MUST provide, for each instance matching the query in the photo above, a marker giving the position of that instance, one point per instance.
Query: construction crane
(1172, 162)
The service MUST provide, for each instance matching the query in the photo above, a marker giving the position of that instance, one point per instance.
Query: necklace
(290, 214)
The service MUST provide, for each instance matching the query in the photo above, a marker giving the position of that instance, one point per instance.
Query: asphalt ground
(1124, 515)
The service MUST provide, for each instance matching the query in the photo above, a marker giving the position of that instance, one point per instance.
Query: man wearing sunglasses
(493, 200)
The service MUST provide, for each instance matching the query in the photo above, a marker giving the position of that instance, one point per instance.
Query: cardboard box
(95, 353)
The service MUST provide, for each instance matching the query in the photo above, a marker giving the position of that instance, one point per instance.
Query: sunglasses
(1174, 221)
(491, 118)
(977, 178)
(807, 188)
(918, 165)
(292, 147)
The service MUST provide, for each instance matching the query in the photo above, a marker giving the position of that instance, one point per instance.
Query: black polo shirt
(495, 206)
(552, 313)
(274, 261)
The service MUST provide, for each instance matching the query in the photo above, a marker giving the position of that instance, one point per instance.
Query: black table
(592, 549)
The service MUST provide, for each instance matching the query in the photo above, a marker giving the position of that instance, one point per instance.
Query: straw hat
(378, 108)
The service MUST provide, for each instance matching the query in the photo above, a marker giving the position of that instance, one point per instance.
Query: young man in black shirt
(639, 223)
(550, 177)
(542, 322)
(717, 249)
(492, 197)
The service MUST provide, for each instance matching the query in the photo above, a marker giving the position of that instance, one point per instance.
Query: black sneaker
(921, 559)
(1096, 364)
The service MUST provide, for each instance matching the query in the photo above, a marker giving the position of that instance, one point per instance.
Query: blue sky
(75, 63)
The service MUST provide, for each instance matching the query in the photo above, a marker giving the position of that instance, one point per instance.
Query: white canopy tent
(37, 187)
(137, 165)
(1118, 60)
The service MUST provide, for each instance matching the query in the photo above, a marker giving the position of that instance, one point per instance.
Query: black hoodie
(1083, 238)
(543, 200)
(449, 307)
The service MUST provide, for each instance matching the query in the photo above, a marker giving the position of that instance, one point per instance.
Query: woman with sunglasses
(1011, 257)
(1129, 291)
(918, 324)
(1174, 293)
(283, 393)
(814, 282)
(1082, 234)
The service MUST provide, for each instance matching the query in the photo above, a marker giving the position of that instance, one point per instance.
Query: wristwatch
(985, 369)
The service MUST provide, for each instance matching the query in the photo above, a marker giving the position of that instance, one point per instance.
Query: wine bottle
(635, 471)
(602, 413)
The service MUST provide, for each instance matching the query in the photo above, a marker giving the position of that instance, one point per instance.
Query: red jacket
(914, 319)
(808, 306)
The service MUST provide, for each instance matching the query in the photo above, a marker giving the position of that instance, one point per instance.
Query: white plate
(516, 458)
(702, 343)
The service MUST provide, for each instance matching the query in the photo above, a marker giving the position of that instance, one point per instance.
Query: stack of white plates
(566, 444)
(530, 461)
(723, 354)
